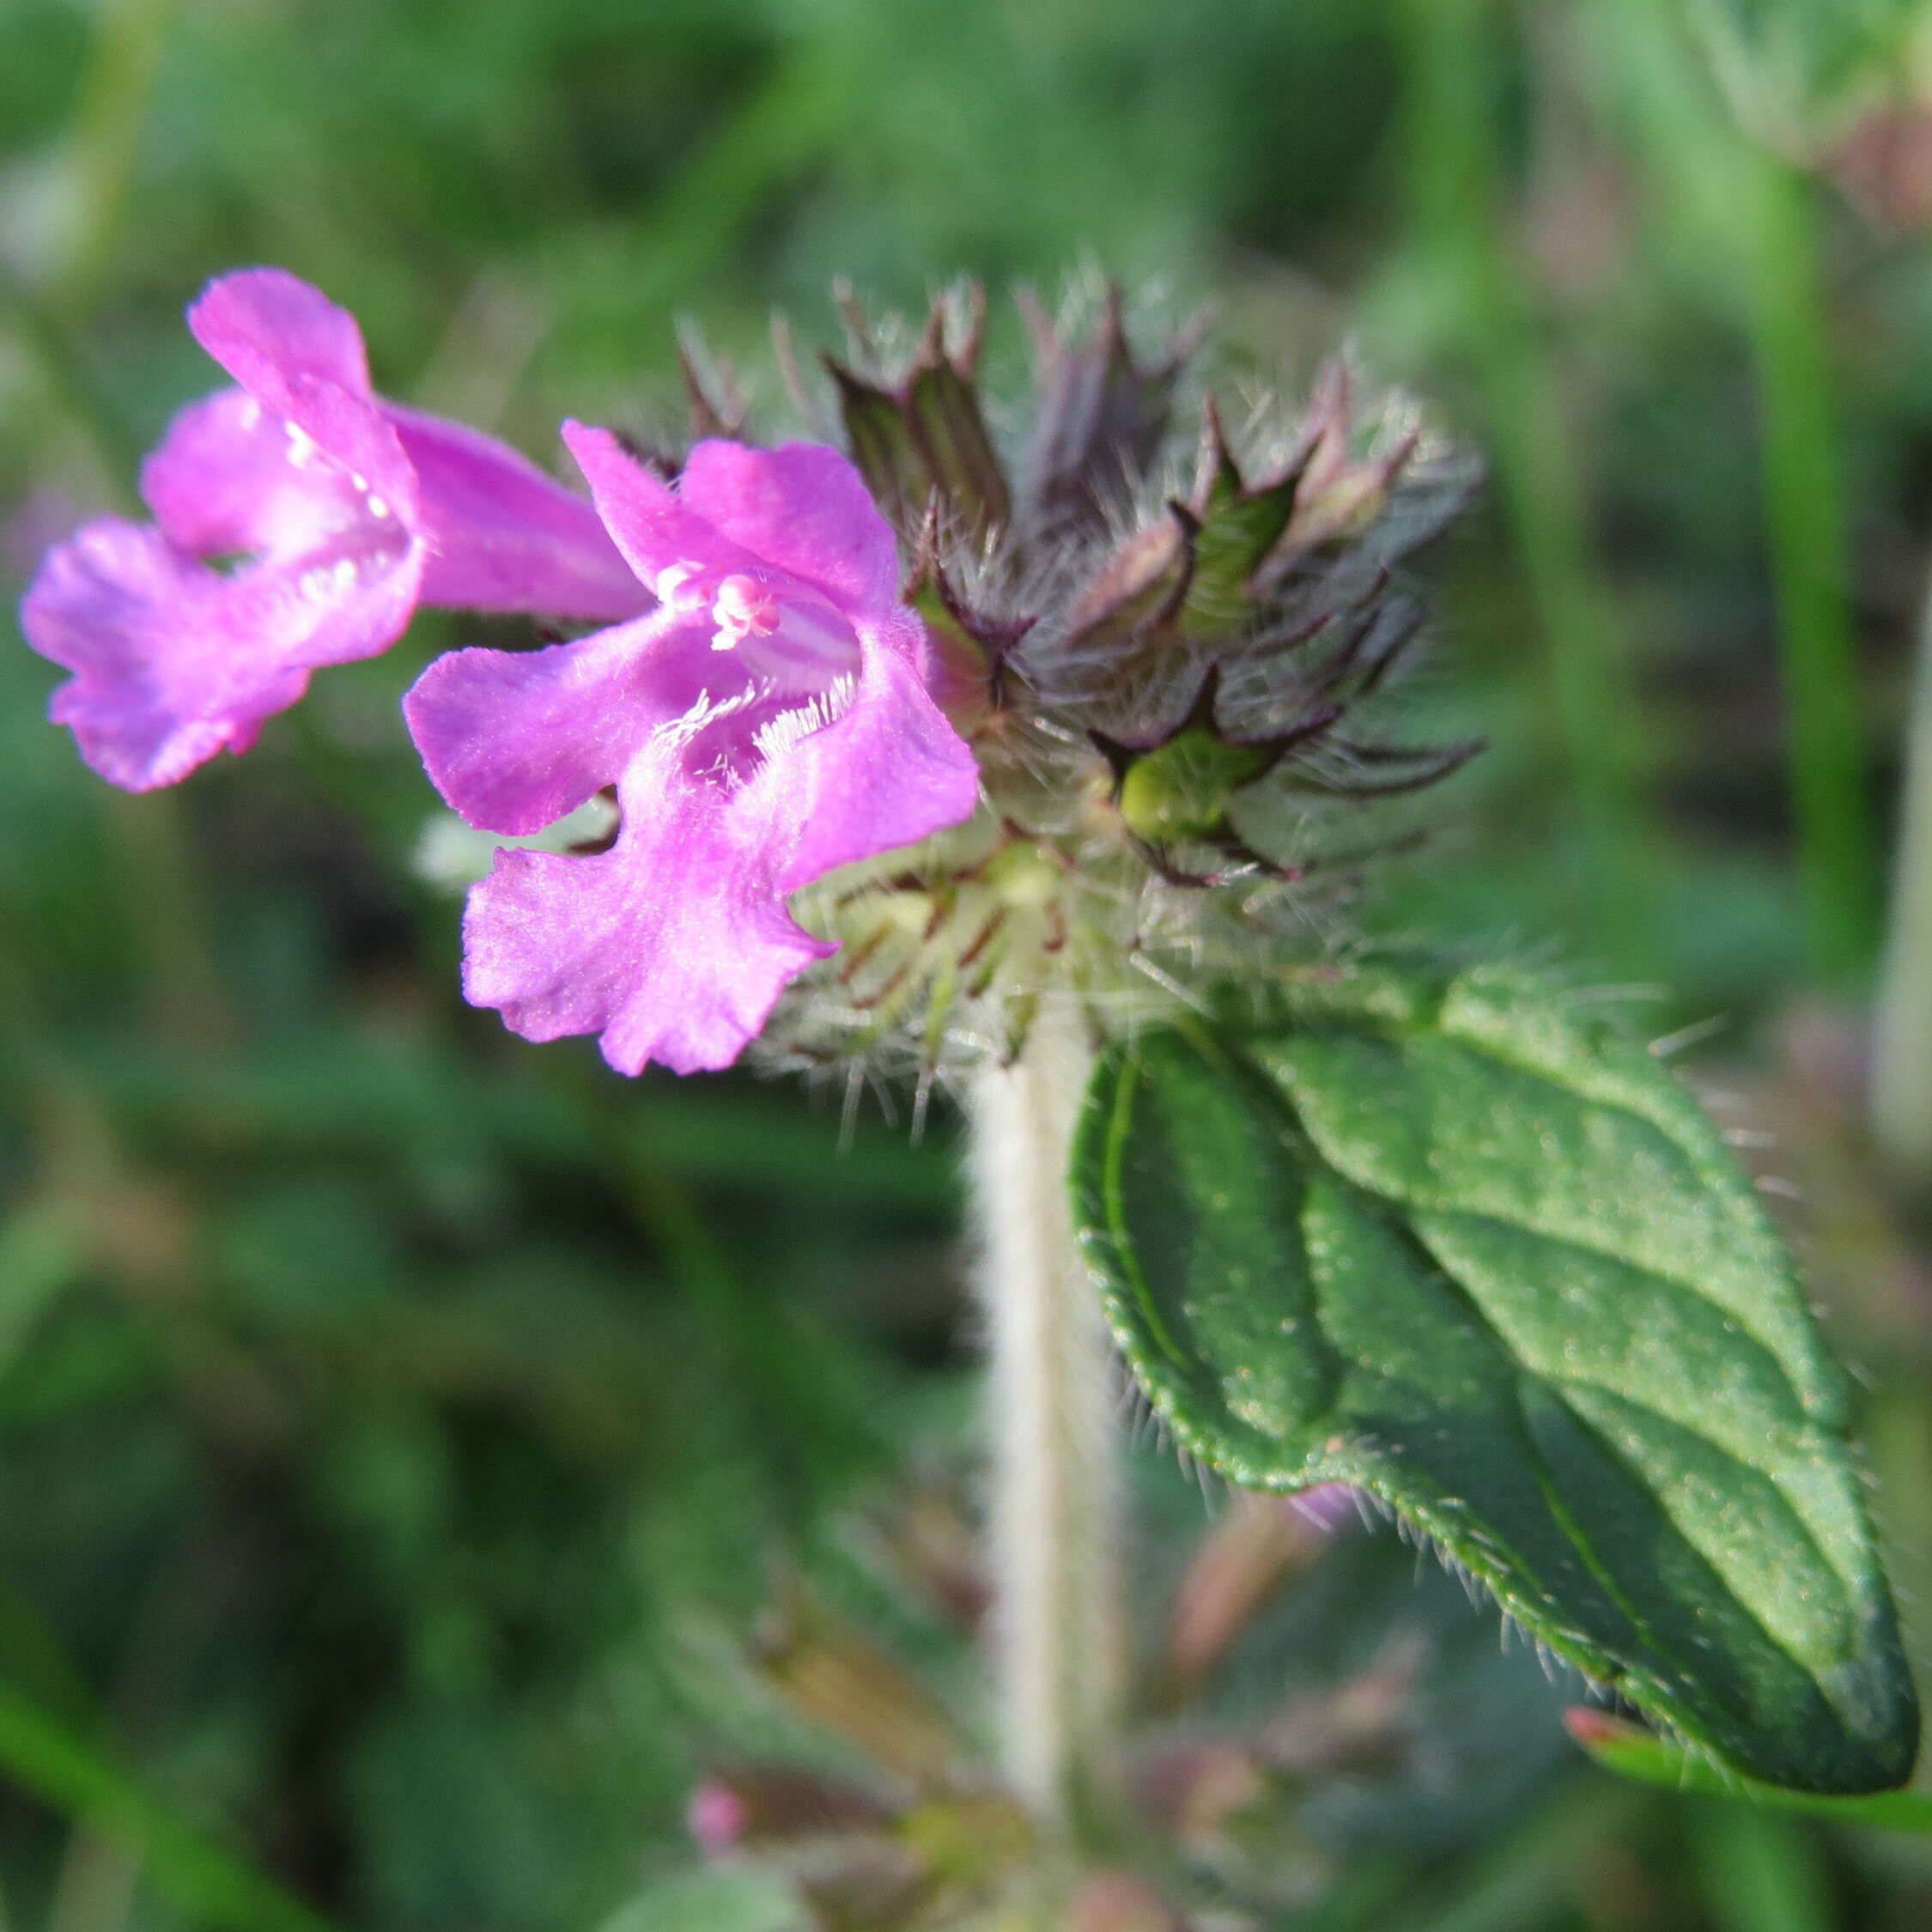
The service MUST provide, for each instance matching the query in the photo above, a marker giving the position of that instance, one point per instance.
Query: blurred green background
(402, 1430)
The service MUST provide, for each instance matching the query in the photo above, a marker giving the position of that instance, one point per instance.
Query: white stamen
(744, 608)
(797, 644)
(674, 579)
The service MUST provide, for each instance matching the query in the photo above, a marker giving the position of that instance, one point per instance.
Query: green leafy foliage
(208, 1885)
(1446, 1239)
(1794, 60)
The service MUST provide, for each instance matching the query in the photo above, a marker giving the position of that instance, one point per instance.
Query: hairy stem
(1059, 1623)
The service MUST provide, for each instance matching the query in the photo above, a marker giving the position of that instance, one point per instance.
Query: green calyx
(922, 442)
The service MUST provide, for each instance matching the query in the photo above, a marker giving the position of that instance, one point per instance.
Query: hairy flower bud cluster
(1157, 631)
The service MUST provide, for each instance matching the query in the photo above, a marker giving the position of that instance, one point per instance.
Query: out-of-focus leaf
(836, 1676)
(39, 1256)
(1250, 1553)
(1519, 1885)
(1786, 61)
(738, 1900)
(1439, 1236)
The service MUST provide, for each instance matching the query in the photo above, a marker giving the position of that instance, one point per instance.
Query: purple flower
(298, 521)
(767, 722)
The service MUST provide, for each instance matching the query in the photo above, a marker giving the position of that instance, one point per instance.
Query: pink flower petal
(652, 525)
(173, 661)
(803, 508)
(674, 945)
(888, 771)
(514, 739)
(345, 510)
(301, 358)
(268, 328)
(503, 536)
(350, 437)
(223, 481)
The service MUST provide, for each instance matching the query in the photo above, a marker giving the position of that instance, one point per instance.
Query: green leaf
(1622, 1747)
(1447, 1239)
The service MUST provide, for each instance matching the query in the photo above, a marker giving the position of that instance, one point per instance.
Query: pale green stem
(1059, 1622)
(1901, 1098)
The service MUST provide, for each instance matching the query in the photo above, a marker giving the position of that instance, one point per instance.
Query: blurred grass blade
(1742, 207)
(1523, 1884)
(1632, 1753)
(209, 1886)
(1758, 1873)
(1805, 516)
(1901, 1098)
(70, 379)
(1456, 174)
(720, 1901)
(105, 133)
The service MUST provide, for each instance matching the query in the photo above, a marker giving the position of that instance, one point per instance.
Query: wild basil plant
(1028, 755)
